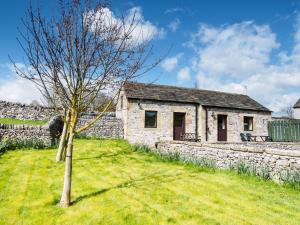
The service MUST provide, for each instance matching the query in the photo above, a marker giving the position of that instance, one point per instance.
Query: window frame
(145, 124)
(250, 118)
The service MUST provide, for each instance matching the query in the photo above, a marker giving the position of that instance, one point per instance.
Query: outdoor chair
(244, 137)
(249, 136)
(268, 139)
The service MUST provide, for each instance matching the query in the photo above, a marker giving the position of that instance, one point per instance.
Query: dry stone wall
(25, 112)
(109, 126)
(276, 158)
(26, 132)
(49, 133)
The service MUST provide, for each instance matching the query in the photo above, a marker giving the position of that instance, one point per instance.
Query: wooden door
(222, 127)
(178, 125)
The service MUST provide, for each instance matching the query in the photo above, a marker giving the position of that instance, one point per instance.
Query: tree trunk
(64, 150)
(62, 143)
(66, 194)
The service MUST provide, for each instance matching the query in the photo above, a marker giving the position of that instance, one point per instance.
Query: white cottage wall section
(297, 113)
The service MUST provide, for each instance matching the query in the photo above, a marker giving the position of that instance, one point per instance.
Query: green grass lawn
(22, 122)
(114, 185)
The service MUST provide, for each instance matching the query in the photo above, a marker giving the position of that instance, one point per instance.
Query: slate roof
(297, 105)
(191, 95)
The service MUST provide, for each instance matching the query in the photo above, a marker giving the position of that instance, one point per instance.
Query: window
(248, 123)
(150, 119)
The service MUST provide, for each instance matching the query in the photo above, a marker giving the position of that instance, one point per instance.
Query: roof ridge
(204, 97)
(187, 88)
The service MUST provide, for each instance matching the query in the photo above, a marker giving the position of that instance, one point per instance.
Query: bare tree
(81, 51)
(288, 111)
(35, 103)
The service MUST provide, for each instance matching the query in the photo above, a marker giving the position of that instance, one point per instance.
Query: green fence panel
(285, 131)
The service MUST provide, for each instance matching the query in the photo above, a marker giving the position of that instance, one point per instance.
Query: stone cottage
(153, 113)
(297, 110)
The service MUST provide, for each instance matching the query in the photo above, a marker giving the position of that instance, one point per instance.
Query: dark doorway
(178, 125)
(222, 127)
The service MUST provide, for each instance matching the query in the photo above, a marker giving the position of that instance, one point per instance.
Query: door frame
(183, 114)
(224, 116)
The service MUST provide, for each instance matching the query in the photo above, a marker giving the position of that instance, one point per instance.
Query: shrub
(16, 143)
(141, 148)
(207, 163)
(87, 137)
(171, 157)
(264, 172)
(81, 136)
(3, 147)
(290, 177)
(242, 168)
(175, 156)
(231, 166)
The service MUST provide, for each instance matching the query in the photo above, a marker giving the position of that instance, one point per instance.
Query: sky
(248, 47)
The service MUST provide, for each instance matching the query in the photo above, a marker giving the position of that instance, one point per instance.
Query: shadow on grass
(150, 179)
(103, 155)
(87, 196)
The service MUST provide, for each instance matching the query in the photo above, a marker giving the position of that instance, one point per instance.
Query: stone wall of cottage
(235, 123)
(133, 117)
(275, 157)
(109, 126)
(121, 111)
(25, 112)
(132, 113)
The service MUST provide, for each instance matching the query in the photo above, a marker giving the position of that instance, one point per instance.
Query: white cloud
(236, 58)
(242, 48)
(183, 74)
(17, 89)
(174, 25)
(174, 10)
(142, 30)
(170, 63)
(145, 30)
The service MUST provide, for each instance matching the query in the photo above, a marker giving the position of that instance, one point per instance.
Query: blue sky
(248, 47)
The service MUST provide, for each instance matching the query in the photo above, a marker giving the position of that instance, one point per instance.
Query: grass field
(22, 122)
(114, 185)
